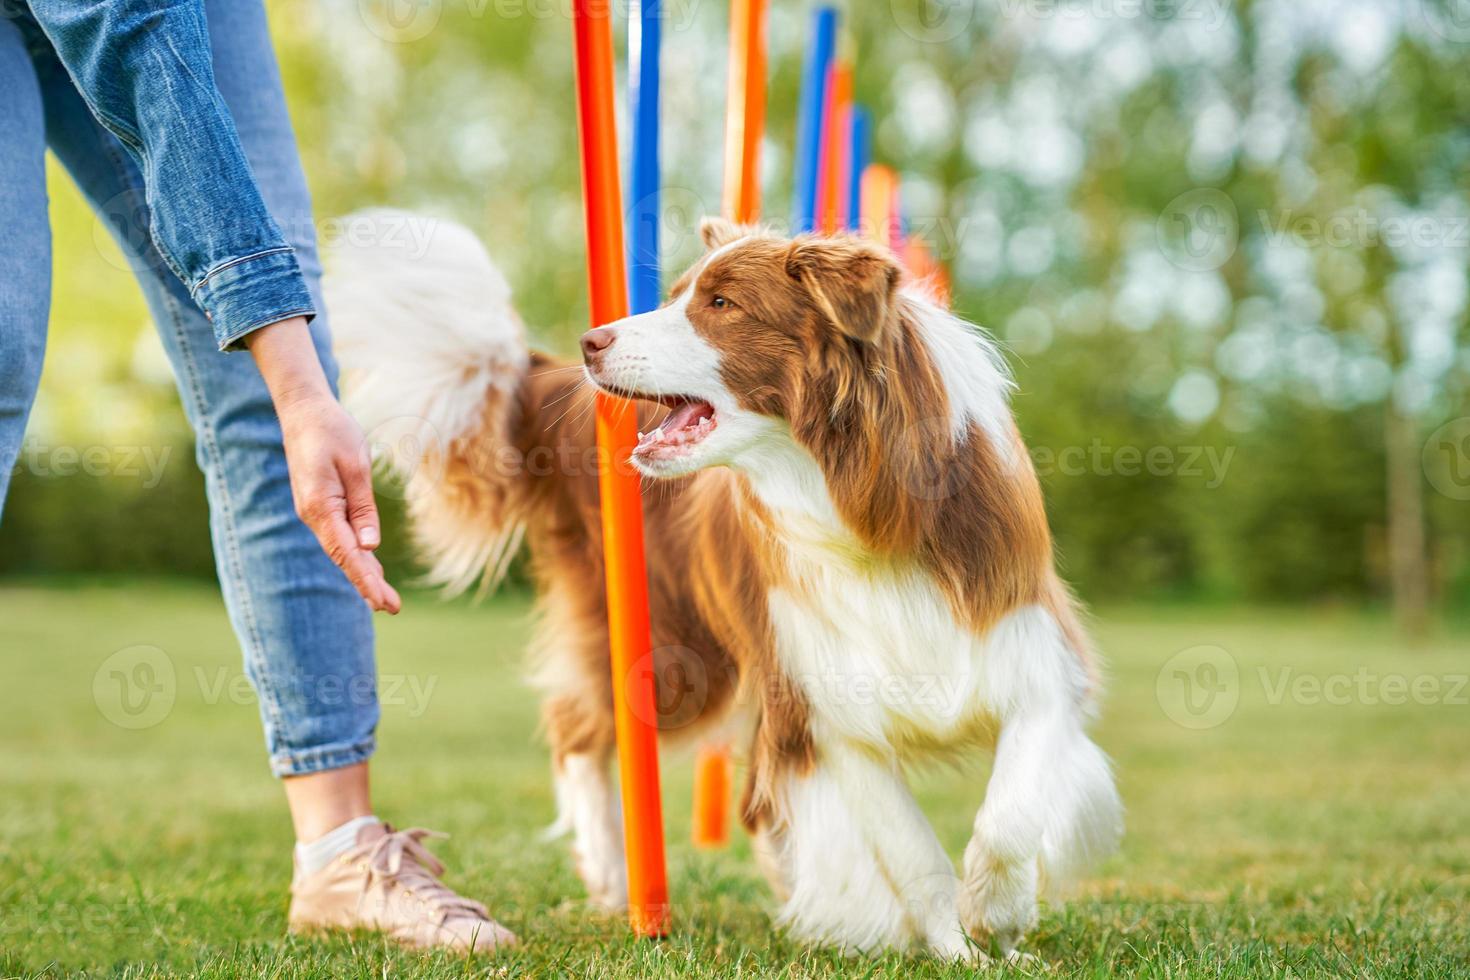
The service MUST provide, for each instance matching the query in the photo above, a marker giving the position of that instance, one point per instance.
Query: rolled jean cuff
(308, 761)
(242, 295)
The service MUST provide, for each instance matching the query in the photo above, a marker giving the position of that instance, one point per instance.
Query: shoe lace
(400, 861)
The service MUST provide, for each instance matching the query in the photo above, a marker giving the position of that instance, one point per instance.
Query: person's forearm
(326, 456)
(288, 361)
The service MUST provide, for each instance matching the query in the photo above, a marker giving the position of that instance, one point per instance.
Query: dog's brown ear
(718, 231)
(854, 283)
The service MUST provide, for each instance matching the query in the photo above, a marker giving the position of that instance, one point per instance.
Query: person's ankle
(312, 856)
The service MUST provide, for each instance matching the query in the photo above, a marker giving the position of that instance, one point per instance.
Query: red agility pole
(745, 121)
(622, 513)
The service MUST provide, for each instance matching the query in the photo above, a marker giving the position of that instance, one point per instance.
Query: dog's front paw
(998, 905)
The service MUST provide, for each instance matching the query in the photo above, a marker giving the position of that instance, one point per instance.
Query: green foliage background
(1044, 148)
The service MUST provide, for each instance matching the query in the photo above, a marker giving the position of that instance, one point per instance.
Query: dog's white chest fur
(877, 649)
(877, 652)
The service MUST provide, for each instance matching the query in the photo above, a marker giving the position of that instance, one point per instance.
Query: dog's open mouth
(689, 422)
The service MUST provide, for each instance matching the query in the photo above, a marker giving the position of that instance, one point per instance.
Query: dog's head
(758, 334)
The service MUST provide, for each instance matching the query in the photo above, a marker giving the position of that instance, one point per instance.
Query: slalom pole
(859, 156)
(878, 189)
(835, 145)
(809, 119)
(645, 288)
(622, 515)
(745, 120)
(745, 110)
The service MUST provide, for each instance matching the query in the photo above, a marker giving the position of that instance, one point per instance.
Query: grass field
(1320, 828)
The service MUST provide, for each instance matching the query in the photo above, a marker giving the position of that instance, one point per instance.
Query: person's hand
(331, 474)
(332, 484)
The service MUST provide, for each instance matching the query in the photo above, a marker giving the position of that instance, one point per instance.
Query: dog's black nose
(597, 340)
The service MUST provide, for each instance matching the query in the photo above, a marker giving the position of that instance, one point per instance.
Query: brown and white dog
(846, 542)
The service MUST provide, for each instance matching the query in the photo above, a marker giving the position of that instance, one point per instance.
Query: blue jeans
(306, 634)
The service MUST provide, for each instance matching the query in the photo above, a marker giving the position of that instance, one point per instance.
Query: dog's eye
(721, 303)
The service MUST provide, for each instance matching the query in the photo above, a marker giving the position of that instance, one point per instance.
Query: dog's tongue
(686, 416)
(687, 422)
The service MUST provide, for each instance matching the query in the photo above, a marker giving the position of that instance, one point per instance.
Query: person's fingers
(362, 567)
(362, 509)
(392, 601)
(326, 515)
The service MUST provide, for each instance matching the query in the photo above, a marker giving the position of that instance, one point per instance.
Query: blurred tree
(1193, 226)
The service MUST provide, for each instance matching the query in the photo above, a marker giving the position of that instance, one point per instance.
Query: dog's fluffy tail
(433, 354)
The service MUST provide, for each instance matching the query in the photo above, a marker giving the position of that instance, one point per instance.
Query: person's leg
(25, 250)
(306, 634)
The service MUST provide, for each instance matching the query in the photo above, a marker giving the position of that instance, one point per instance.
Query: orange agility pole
(836, 144)
(745, 110)
(745, 123)
(622, 513)
(878, 221)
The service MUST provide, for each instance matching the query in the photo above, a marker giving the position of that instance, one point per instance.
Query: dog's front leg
(865, 869)
(1050, 808)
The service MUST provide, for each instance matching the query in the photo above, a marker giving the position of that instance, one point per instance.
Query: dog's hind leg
(588, 805)
(864, 868)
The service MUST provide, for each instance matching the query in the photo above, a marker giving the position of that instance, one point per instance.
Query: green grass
(1293, 839)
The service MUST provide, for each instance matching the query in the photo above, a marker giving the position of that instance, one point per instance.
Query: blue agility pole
(644, 285)
(859, 156)
(814, 80)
